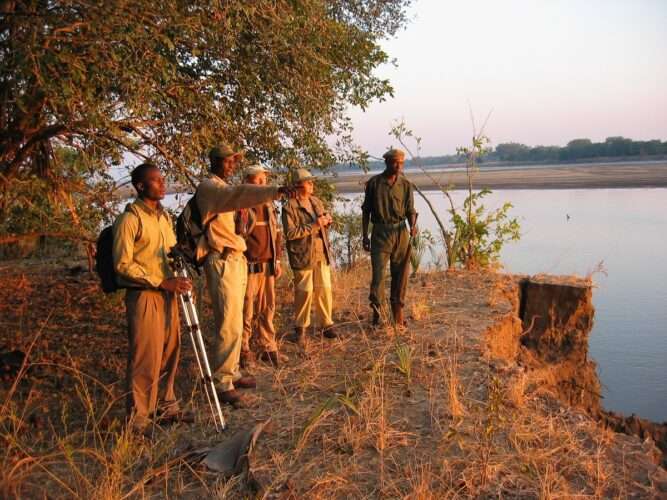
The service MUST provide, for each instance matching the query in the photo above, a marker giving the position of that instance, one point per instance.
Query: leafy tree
(118, 82)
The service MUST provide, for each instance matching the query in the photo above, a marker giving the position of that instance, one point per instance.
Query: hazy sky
(551, 71)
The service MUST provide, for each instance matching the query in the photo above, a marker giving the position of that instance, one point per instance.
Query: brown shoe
(329, 332)
(231, 397)
(298, 336)
(246, 359)
(376, 317)
(180, 416)
(246, 382)
(271, 358)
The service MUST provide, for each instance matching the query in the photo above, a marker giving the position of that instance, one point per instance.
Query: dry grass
(420, 413)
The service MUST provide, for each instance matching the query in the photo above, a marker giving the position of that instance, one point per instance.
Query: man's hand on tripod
(176, 285)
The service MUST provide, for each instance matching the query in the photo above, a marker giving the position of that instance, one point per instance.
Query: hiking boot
(329, 332)
(246, 382)
(246, 359)
(179, 416)
(231, 397)
(298, 337)
(397, 313)
(376, 317)
(273, 358)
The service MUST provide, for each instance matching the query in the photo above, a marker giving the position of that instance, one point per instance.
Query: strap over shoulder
(130, 208)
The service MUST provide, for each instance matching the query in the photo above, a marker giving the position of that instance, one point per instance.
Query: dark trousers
(388, 246)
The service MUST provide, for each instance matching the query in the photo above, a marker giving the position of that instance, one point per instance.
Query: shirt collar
(385, 179)
(151, 211)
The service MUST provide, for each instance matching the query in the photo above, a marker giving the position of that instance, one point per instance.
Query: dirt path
(440, 410)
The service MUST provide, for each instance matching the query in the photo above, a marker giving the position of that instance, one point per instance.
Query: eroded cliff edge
(548, 338)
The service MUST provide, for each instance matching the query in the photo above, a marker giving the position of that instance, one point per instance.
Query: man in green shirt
(388, 203)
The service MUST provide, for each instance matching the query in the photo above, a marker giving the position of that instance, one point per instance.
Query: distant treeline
(576, 150)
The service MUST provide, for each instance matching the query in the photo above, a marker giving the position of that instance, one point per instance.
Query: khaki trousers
(313, 286)
(258, 310)
(153, 334)
(226, 281)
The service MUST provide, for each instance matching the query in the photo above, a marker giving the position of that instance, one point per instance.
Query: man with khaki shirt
(225, 265)
(142, 238)
(264, 242)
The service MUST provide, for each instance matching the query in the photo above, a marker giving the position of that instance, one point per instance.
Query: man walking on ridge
(226, 267)
(388, 203)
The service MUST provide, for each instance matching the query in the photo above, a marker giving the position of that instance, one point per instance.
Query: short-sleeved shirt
(388, 204)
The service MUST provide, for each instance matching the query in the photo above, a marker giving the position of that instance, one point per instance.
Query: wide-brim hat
(223, 151)
(301, 175)
(256, 170)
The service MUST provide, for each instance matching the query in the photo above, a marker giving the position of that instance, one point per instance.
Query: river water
(572, 232)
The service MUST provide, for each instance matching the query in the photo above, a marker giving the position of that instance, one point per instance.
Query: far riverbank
(592, 176)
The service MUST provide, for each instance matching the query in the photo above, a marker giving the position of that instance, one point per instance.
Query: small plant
(404, 354)
(478, 234)
(422, 242)
(345, 237)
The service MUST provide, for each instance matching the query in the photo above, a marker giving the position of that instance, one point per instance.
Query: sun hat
(256, 169)
(394, 154)
(301, 175)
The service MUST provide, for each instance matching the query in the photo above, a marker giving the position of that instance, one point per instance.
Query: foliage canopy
(164, 80)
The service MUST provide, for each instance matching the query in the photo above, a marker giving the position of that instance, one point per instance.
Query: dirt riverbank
(444, 409)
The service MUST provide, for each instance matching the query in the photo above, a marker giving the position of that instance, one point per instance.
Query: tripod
(191, 319)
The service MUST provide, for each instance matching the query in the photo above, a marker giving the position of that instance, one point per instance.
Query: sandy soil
(437, 411)
(556, 177)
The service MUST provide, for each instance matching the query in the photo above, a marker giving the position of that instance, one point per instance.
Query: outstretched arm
(214, 198)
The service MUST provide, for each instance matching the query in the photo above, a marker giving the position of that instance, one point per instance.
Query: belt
(398, 225)
(226, 252)
(259, 267)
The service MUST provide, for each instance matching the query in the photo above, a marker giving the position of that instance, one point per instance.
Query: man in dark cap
(225, 263)
(388, 203)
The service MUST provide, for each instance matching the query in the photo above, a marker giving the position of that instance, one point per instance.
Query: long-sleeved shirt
(217, 202)
(265, 240)
(388, 204)
(142, 262)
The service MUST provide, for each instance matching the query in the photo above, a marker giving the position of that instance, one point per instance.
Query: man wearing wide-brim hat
(305, 225)
(264, 248)
(225, 264)
(388, 204)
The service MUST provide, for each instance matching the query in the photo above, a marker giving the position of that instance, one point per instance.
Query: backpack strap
(204, 224)
(130, 208)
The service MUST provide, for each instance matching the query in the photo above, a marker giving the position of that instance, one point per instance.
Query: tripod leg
(192, 327)
(202, 360)
(196, 330)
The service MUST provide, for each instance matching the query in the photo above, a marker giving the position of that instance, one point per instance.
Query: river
(572, 232)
